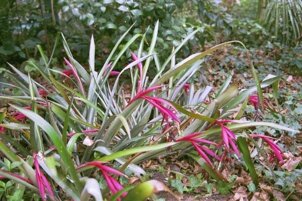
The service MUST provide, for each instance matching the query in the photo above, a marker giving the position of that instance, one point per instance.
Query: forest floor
(189, 181)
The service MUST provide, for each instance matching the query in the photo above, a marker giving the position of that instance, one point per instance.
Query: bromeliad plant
(80, 126)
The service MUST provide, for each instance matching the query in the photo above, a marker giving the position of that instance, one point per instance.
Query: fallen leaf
(278, 195)
(266, 188)
(240, 194)
(260, 196)
(289, 78)
(291, 162)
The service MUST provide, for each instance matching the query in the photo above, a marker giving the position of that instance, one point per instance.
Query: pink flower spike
(75, 73)
(186, 87)
(211, 153)
(135, 58)
(201, 153)
(109, 182)
(67, 72)
(189, 137)
(235, 148)
(275, 148)
(140, 68)
(156, 102)
(113, 185)
(112, 171)
(223, 121)
(229, 139)
(2, 129)
(43, 185)
(254, 100)
(141, 94)
(17, 176)
(19, 116)
(114, 73)
(90, 131)
(42, 92)
(192, 138)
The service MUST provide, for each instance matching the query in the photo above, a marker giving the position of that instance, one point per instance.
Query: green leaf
(57, 141)
(18, 180)
(72, 142)
(244, 149)
(251, 186)
(135, 150)
(188, 62)
(192, 114)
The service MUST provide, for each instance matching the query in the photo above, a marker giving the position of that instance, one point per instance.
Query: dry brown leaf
(291, 161)
(260, 196)
(240, 194)
(266, 188)
(278, 195)
(299, 188)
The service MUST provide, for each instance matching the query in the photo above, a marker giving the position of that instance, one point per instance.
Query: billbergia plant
(80, 131)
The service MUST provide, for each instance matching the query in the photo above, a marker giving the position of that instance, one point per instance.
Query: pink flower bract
(159, 103)
(2, 129)
(275, 148)
(228, 137)
(114, 73)
(202, 150)
(42, 92)
(43, 185)
(67, 72)
(113, 185)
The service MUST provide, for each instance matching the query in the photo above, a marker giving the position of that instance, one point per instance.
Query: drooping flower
(228, 137)
(113, 185)
(159, 103)
(44, 186)
(275, 148)
(202, 150)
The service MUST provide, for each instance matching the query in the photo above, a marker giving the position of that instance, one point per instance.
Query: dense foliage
(122, 99)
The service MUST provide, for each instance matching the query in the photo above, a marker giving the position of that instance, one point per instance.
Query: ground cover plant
(75, 132)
